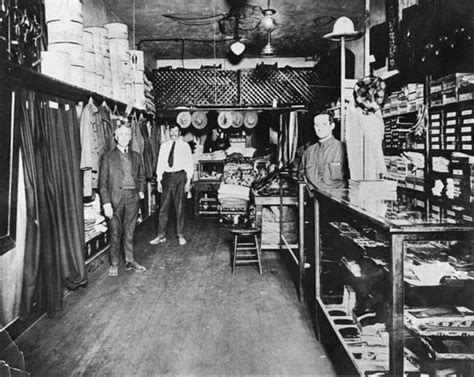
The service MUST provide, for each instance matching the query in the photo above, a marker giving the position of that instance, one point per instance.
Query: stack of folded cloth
(216, 155)
(94, 222)
(233, 197)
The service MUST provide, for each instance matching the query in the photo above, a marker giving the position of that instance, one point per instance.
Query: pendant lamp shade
(237, 48)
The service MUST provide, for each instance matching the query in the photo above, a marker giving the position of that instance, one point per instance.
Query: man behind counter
(324, 163)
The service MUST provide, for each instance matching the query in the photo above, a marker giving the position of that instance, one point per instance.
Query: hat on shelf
(250, 119)
(184, 119)
(343, 27)
(199, 119)
(225, 119)
(237, 119)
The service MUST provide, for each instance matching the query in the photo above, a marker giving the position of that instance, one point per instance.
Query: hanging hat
(184, 119)
(199, 119)
(343, 27)
(369, 93)
(225, 119)
(250, 119)
(237, 119)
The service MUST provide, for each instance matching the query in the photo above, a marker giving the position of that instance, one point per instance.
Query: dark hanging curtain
(54, 256)
(32, 173)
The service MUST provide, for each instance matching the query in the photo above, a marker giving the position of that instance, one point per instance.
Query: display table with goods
(393, 285)
(206, 187)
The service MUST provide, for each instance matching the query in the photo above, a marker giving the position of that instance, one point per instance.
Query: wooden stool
(246, 252)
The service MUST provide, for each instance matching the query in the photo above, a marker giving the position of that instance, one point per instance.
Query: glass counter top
(394, 212)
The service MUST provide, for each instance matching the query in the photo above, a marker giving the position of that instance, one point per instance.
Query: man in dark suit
(121, 186)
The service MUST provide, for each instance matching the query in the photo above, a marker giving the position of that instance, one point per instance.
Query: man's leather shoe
(134, 266)
(113, 270)
(157, 240)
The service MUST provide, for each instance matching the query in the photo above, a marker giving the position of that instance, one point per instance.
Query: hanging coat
(364, 136)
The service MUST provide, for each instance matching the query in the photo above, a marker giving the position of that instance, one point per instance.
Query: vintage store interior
(277, 276)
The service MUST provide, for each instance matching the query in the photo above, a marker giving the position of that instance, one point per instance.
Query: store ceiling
(302, 23)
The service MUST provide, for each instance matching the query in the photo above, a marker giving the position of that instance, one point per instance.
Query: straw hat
(184, 119)
(199, 119)
(237, 119)
(250, 119)
(343, 27)
(225, 119)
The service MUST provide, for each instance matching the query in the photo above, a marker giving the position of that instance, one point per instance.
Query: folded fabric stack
(216, 155)
(373, 189)
(94, 222)
(233, 197)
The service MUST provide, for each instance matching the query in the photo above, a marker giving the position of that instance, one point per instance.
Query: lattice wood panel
(252, 87)
(195, 87)
(289, 86)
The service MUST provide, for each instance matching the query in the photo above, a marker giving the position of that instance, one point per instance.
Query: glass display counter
(380, 265)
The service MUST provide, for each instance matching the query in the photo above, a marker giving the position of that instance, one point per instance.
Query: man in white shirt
(173, 174)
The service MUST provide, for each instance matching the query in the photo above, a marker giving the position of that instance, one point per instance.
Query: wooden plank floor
(186, 315)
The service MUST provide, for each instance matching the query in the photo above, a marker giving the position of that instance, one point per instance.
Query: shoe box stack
(406, 100)
(451, 126)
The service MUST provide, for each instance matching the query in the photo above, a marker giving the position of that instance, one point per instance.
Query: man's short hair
(122, 127)
(175, 125)
(330, 116)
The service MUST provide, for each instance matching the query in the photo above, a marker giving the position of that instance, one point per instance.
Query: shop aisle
(186, 315)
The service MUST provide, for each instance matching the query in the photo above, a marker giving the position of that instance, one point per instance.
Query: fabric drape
(288, 137)
(364, 135)
(29, 140)
(54, 254)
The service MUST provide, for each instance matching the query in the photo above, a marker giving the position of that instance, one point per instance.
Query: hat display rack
(343, 31)
(225, 119)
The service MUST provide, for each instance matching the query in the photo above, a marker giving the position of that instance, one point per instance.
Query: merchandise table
(399, 227)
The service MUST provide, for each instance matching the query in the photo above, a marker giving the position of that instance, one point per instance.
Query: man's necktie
(171, 155)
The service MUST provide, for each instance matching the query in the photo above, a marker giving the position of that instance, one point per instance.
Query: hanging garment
(292, 136)
(107, 126)
(364, 135)
(165, 133)
(151, 146)
(137, 142)
(91, 146)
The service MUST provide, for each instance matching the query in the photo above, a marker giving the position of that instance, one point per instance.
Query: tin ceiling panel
(302, 23)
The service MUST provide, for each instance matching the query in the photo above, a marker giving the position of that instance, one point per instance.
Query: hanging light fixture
(268, 49)
(268, 23)
(237, 47)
